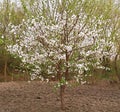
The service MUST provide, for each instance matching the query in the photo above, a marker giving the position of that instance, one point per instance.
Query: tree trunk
(12, 79)
(116, 68)
(5, 70)
(67, 68)
(62, 92)
(59, 71)
(62, 87)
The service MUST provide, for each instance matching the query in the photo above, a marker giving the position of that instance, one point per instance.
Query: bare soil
(42, 97)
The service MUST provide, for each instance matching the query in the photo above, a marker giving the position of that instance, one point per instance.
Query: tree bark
(116, 68)
(67, 68)
(58, 71)
(62, 92)
(5, 70)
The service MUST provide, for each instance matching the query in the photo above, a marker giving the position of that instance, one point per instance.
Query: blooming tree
(108, 43)
(62, 36)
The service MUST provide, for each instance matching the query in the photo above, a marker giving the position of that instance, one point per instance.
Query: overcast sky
(10, 0)
(18, 0)
(116, 1)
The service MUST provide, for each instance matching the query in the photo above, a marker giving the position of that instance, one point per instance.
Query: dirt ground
(42, 97)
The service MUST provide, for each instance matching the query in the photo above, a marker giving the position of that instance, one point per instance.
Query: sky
(10, 0)
(116, 1)
(18, 0)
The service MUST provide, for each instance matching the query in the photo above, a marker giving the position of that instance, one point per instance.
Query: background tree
(10, 14)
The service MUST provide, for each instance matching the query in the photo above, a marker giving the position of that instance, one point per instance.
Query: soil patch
(42, 97)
